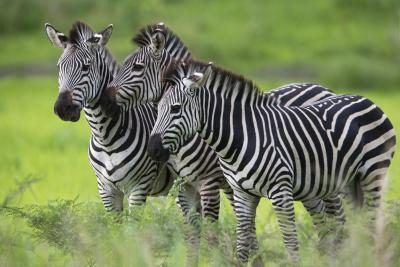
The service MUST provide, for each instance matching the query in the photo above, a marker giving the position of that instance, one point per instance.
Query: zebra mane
(173, 43)
(183, 69)
(110, 61)
(80, 32)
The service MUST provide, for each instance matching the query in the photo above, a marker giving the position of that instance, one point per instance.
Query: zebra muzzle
(156, 150)
(65, 109)
(108, 102)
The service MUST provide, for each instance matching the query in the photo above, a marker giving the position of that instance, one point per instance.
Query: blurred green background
(350, 46)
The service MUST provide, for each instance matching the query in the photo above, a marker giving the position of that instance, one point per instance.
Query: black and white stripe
(270, 150)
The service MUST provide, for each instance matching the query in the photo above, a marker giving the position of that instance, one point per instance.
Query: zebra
(284, 153)
(116, 151)
(139, 81)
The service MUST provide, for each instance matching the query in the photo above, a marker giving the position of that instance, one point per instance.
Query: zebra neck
(109, 61)
(103, 128)
(166, 61)
(227, 113)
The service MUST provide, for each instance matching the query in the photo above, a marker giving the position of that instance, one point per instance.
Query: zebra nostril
(156, 153)
(69, 107)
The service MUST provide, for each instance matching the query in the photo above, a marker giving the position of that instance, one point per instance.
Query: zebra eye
(175, 108)
(85, 67)
(137, 67)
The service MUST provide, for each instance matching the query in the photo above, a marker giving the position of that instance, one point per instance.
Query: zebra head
(139, 79)
(79, 68)
(179, 116)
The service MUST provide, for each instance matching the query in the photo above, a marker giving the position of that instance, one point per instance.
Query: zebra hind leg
(210, 204)
(329, 218)
(189, 202)
(372, 190)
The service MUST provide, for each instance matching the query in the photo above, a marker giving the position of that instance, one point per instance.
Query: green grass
(69, 233)
(35, 143)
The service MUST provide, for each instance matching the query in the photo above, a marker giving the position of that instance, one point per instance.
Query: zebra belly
(304, 188)
(316, 188)
(123, 174)
(239, 181)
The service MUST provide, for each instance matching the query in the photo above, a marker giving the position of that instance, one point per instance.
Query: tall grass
(73, 233)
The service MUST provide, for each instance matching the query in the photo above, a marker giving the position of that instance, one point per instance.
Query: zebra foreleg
(210, 200)
(210, 204)
(111, 197)
(141, 190)
(137, 198)
(190, 204)
(245, 210)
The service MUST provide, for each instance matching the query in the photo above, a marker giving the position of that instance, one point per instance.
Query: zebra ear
(158, 41)
(102, 37)
(57, 38)
(207, 74)
(192, 80)
(198, 79)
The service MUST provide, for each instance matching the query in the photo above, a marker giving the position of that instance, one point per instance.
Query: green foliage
(54, 223)
(85, 234)
(71, 233)
(68, 233)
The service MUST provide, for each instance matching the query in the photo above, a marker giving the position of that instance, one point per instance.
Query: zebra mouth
(75, 117)
(68, 114)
